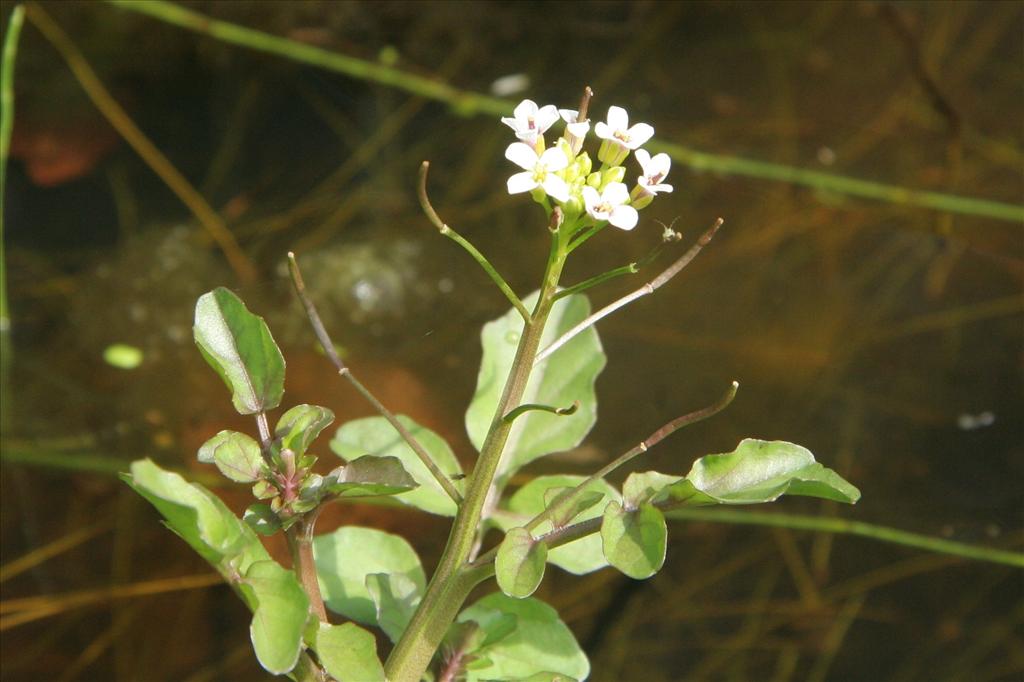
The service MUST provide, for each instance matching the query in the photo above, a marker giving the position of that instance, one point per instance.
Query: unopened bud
(613, 174)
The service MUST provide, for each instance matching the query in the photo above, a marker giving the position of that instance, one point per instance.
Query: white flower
(610, 205)
(655, 169)
(529, 121)
(575, 130)
(539, 171)
(617, 129)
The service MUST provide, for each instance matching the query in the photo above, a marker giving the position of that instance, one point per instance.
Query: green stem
(328, 346)
(643, 446)
(594, 281)
(848, 527)
(482, 261)
(448, 589)
(10, 51)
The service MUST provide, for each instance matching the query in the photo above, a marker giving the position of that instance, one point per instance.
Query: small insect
(670, 235)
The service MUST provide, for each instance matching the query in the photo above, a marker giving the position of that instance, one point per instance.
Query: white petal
(510, 122)
(521, 182)
(660, 188)
(590, 197)
(618, 119)
(554, 159)
(615, 193)
(644, 159)
(568, 115)
(662, 163)
(522, 155)
(529, 137)
(556, 188)
(624, 217)
(546, 117)
(639, 134)
(578, 129)
(603, 131)
(524, 110)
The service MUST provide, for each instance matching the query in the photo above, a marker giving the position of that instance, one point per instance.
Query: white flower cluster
(563, 173)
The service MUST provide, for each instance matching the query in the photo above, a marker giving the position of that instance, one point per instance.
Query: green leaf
(348, 652)
(545, 676)
(368, 476)
(634, 540)
(641, 488)
(236, 455)
(396, 598)
(262, 519)
(299, 426)
(239, 346)
(566, 376)
(519, 565)
(580, 556)
(199, 518)
(759, 471)
(280, 610)
(564, 511)
(540, 642)
(347, 556)
(375, 436)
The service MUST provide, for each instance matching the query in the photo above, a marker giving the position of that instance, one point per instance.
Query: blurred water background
(883, 335)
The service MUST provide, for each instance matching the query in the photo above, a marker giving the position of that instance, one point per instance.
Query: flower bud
(613, 174)
(574, 206)
(640, 198)
(594, 180)
(612, 153)
(585, 164)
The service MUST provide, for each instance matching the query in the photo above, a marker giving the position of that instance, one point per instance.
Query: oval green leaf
(759, 471)
(368, 476)
(579, 556)
(541, 642)
(395, 597)
(634, 540)
(280, 610)
(239, 346)
(237, 456)
(565, 377)
(298, 427)
(519, 565)
(347, 556)
(348, 652)
(199, 518)
(375, 436)
(262, 519)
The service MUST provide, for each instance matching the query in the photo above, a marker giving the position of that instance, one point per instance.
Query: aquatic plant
(535, 396)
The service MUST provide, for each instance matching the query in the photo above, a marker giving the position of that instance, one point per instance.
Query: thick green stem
(453, 579)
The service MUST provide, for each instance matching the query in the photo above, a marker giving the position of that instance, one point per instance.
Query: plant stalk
(300, 541)
(451, 583)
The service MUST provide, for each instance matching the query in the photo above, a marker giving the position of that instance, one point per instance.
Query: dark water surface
(885, 338)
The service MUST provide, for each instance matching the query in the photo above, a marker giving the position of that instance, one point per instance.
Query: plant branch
(628, 269)
(444, 596)
(154, 158)
(646, 289)
(535, 407)
(10, 51)
(300, 541)
(640, 448)
(328, 346)
(482, 261)
(818, 524)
